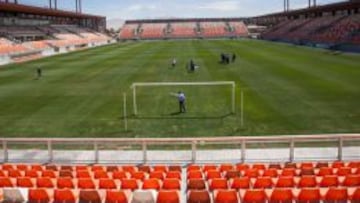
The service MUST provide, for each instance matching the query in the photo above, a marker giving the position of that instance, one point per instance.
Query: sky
(151, 9)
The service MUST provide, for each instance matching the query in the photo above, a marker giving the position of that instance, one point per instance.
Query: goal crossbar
(210, 83)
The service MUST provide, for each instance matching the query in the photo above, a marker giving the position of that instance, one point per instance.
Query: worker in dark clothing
(39, 73)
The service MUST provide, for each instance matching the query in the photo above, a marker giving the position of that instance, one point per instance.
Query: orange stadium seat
(336, 195)
(226, 167)
(196, 184)
(351, 181)
(66, 168)
(100, 174)
(157, 174)
(325, 171)
(193, 168)
(254, 196)
(119, 175)
(275, 166)
(290, 165)
(175, 168)
(24, 182)
(232, 174)
(49, 174)
(309, 195)
(288, 172)
(337, 164)
(263, 182)
(307, 171)
(210, 174)
(242, 167)
(64, 196)
(209, 167)
(6, 182)
(115, 196)
(194, 174)
(281, 195)
(36, 167)
(259, 166)
(97, 168)
(81, 168)
(198, 196)
(240, 183)
(152, 183)
(21, 167)
(2, 173)
(13, 173)
(168, 196)
(89, 196)
(343, 171)
(271, 172)
(83, 174)
(218, 183)
(112, 168)
(66, 173)
(161, 168)
(86, 183)
(285, 182)
(252, 173)
(307, 181)
(105, 183)
(171, 184)
(51, 167)
(173, 174)
(144, 168)
(355, 197)
(139, 175)
(129, 168)
(306, 165)
(31, 173)
(226, 196)
(129, 184)
(38, 196)
(65, 182)
(322, 165)
(44, 183)
(329, 181)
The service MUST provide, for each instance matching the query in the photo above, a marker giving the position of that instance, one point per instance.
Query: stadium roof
(11, 7)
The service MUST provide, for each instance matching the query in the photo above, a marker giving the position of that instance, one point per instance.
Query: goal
(223, 89)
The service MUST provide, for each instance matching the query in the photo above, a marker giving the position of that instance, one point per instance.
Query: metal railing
(195, 145)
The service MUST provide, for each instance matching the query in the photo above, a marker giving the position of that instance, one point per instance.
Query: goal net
(203, 99)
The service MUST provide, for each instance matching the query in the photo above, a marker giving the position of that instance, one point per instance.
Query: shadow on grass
(176, 115)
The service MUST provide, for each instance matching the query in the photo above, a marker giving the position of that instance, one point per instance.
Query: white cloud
(141, 7)
(221, 6)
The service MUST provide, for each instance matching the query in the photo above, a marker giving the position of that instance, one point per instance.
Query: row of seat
(263, 166)
(267, 182)
(108, 168)
(88, 196)
(88, 183)
(278, 195)
(208, 174)
(14, 173)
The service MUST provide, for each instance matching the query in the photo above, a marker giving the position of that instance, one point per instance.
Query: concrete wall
(4, 59)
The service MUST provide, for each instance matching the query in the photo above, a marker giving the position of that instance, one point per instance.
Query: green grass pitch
(288, 90)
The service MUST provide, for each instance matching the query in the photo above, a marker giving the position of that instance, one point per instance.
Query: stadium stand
(153, 30)
(129, 31)
(238, 29)
(334, 26)
(43, 183)
(183, 30)
(29, 37)
(214, 29)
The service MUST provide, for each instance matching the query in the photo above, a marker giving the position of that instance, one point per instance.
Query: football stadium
(209, 101)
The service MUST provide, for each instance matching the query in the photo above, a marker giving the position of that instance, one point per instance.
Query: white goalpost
(231, 84)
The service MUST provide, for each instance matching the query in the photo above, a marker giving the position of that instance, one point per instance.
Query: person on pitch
(181, 98)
